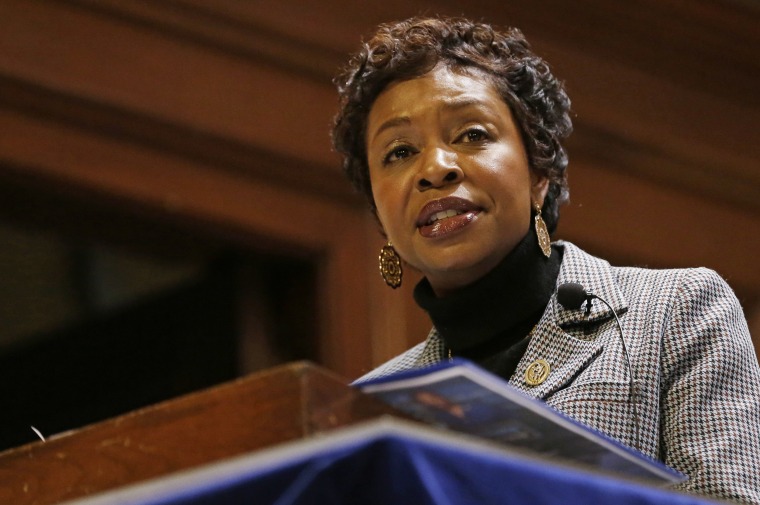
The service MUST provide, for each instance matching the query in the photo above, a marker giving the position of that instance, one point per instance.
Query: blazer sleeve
(710, 391)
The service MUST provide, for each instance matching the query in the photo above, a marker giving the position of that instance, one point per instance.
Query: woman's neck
(500, 305)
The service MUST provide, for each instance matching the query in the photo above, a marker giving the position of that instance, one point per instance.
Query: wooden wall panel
(216, 115)
(658, 225)
(140, 69)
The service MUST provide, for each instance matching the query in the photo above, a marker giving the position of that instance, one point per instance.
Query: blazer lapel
(566, 354)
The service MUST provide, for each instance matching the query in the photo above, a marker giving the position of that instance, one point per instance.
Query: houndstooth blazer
(697, 378)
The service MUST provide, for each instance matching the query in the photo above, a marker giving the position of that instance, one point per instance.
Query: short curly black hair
(411, 48)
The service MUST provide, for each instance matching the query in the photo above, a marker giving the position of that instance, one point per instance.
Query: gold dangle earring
(390, 266)
(544, 240)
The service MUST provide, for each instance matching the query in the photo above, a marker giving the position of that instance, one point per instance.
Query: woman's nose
(440, 169)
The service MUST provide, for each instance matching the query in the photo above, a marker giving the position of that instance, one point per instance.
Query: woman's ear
(539, 188)
(379, 223)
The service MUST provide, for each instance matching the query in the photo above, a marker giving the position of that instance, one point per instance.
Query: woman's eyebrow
(391, 123)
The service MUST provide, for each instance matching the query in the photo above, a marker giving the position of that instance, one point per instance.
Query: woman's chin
(455, 273)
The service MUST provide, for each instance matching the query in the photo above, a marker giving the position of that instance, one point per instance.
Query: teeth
(444, 214)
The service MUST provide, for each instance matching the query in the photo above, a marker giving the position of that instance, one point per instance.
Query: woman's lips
(444, 216)
(445, 226)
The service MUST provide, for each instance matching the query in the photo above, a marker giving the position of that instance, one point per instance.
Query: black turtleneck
(490, 320)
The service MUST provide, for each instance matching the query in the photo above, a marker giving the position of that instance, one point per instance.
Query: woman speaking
(453, 131)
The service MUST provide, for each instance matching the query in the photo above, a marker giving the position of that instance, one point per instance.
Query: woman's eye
(398, 153)
(474, 135)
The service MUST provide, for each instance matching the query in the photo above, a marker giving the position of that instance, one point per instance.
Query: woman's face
(449, 175)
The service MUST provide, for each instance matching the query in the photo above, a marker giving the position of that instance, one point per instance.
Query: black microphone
(571, 296)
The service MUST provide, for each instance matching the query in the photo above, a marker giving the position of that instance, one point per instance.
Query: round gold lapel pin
(537, 372)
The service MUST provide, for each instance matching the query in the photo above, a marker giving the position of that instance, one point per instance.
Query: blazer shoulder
(404, 361)
(674, 283)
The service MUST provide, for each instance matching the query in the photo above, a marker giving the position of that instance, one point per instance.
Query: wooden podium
(263, 437)
(258, 411)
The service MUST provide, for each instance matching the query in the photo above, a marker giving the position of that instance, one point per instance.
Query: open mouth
(442, 217)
